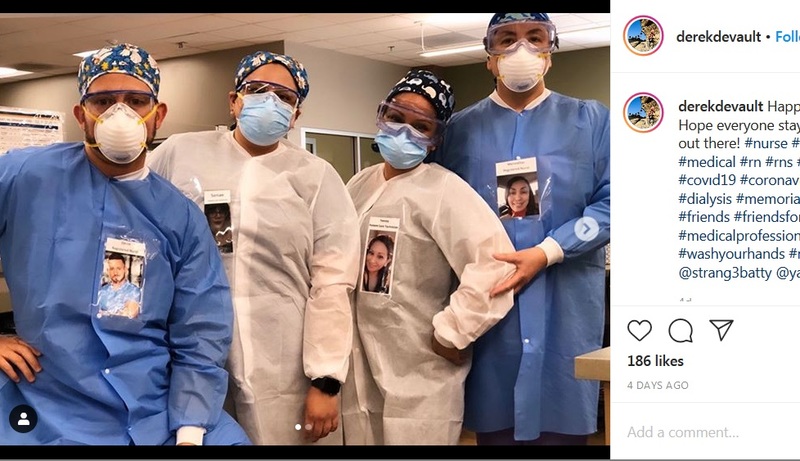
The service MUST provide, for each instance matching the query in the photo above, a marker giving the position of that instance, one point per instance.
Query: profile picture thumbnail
(643, 112)
(643, 35)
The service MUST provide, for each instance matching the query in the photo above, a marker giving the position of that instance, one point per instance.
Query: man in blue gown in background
(522, 389)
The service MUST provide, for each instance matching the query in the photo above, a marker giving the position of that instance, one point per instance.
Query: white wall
(344, 90)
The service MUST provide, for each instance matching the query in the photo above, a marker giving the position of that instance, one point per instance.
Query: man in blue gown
(521, 389)
(153, 376)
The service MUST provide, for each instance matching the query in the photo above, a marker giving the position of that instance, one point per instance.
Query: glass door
(348, 152)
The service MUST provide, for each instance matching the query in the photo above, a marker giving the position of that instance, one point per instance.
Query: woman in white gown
(411, 349)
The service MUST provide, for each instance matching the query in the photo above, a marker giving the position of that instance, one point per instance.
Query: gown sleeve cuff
(443, 341)
(552, 250)
(191, 434)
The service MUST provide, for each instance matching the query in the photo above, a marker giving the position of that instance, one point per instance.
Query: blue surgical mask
(399, 151)
(264, 118)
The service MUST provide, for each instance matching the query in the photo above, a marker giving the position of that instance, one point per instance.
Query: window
(348, 152)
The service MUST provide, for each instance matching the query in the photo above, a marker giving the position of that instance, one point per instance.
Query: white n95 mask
(121, 134)
(522, 69)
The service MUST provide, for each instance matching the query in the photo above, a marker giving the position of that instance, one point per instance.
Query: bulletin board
(29, 127)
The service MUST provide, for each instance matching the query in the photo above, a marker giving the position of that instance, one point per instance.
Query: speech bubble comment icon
(639, 328)
(680, 330)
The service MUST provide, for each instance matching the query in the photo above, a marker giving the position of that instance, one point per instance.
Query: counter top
(594, 365)
(5, 300)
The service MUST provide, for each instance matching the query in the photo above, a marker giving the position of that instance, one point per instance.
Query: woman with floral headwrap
(294, 257)
(411, 351)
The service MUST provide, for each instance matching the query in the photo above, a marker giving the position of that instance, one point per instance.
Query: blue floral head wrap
(252, 62)
(124, 59)
(503, 18)
(434, 89)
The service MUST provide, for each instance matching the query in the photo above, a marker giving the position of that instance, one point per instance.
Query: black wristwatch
(327, 385)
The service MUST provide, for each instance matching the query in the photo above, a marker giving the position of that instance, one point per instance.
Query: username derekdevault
(719, 37)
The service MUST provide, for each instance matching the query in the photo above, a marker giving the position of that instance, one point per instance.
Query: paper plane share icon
(722, 327)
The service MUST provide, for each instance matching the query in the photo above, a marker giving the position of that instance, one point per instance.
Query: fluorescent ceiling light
(8, 72)
(593, 35)
(83, 54)
(445, 51)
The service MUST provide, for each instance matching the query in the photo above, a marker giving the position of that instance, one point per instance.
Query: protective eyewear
(394, 118)
(140, 101)
(539, 36)
(285, 94)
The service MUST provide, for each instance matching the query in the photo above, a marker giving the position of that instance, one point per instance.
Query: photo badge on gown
(217, 207)
(380, 252)
(122, 278)
(513, 179)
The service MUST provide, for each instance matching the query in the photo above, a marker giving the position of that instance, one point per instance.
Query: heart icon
(639, 329)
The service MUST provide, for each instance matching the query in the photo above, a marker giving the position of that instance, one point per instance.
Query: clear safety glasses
(285, 94)
(394, 118)
(539, 36)
(140, 101)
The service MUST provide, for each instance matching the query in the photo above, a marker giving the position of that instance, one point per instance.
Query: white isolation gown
(400, 391)
(292, 271)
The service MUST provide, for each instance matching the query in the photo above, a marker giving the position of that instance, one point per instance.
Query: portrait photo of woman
(377, 264)
(520, 199)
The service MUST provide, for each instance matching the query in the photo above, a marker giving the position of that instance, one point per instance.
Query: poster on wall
(22, 128)
(29, 127)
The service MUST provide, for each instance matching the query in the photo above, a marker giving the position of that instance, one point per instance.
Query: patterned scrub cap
(503, 18)
(426, 83)
(123, 59)
(252, 62)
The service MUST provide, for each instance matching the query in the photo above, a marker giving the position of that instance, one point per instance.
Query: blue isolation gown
(106, 379)
(523, 369)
